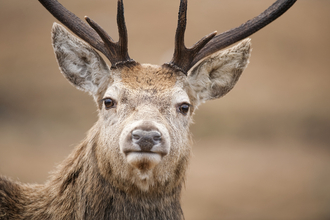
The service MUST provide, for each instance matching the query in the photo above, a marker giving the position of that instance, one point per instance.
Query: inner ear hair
(217, 74)
(80, 63)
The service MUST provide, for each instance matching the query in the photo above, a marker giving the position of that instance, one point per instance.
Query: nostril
(136, 135)
(157, 137)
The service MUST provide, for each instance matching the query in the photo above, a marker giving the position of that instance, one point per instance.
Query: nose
(146, 139)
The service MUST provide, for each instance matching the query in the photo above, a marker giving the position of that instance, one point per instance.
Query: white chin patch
(143, 164)
(143, 161)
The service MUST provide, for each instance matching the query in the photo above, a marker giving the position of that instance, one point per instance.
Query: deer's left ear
(216, 75)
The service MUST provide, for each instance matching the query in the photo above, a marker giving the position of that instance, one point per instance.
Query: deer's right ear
(78, 61)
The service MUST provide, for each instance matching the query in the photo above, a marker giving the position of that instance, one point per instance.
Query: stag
(132, 163)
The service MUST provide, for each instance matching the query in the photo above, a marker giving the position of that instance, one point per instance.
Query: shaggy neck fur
(77, 190)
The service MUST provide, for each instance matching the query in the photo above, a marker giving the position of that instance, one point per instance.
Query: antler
(185, 58)
(117, 53)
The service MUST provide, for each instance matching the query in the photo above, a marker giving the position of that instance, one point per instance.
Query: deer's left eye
(184, 108)
(109, 103)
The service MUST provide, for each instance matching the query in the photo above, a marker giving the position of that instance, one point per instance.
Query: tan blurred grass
(261, 152)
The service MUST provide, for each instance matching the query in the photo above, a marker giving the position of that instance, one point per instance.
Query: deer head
(142, 137)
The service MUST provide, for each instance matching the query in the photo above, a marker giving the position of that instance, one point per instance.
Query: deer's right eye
(109, 103)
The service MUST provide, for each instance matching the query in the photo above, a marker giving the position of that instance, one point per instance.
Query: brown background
(261, 152)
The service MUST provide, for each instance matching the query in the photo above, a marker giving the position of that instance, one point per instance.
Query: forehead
(148, 77)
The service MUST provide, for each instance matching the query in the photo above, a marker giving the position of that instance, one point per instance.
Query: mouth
(143, 160)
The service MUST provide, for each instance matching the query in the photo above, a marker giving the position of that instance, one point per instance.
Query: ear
(78, 62)
(216, 75)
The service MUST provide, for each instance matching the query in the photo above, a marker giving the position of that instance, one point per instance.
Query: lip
(143, 154)
(162, 154)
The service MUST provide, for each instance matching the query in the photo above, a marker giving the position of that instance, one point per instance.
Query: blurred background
(261, 152)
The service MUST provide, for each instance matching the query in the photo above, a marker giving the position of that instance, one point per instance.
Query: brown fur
(148, 77)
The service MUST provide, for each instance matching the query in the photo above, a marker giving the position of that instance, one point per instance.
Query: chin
(143, 166)
(144, 180)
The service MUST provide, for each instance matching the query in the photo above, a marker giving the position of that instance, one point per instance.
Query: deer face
(144, 131)
(145, 110)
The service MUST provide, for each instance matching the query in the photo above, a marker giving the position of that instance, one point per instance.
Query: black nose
(146, 139)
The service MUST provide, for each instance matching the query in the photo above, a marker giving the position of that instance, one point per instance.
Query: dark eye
(184, 108)
(109, 103)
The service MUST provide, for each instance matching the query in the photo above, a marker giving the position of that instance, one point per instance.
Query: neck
(77, 190)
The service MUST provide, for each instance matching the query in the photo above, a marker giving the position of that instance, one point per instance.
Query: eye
(109, 103)
(184, 108)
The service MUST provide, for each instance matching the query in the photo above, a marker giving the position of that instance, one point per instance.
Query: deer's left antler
(185, 58)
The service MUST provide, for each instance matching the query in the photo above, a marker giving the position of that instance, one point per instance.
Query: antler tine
(181, 29)
(123, 41)
(109, 44)
(117, 53)
(184, 56)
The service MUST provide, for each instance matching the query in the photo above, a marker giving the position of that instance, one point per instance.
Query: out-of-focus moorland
(261, 152)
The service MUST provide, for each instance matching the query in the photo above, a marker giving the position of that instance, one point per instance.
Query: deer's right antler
(116, 52)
